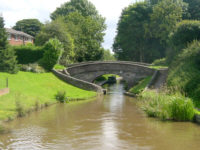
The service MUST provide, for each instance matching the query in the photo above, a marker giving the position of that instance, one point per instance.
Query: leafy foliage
(184, 72)
(86, 27)
(29, 26)
(27, 54)
(8, 62)
(58, 29)
(52, 52)
(88, 36)
(84, 7)
(132, 43)
(185, 33)
(61, 96)
(107, 55)
(3, 35)
(166, 13)
(193, 12)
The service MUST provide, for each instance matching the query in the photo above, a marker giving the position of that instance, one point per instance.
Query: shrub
(52, 52)
(27, 54)
(182, 109)
(59, 30)
(8, 62)
(20, 108)
(185, 33)
(61, 96)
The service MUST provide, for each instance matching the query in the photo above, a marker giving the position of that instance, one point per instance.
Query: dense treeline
(145, 28)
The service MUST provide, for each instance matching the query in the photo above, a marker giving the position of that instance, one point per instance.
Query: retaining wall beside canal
(78, 83)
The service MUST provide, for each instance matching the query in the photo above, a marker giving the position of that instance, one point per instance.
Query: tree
(88, 36)
(29, 26)
(185, 33)
(3, 35)
(58, 29)
(86, 27)
(52, 53)
(8, 62)
(166, 14)
(84, 7)
(107, 55)
(131, 42)
(193, 12)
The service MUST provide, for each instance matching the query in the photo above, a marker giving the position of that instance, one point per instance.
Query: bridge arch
(131, 72)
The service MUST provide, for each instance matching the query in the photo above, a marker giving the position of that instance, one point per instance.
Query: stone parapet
(78, 83)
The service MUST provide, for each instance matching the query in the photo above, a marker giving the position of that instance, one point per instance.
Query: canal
(112, 122)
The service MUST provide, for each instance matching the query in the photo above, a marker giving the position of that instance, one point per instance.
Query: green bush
(27, 54)
(8, 62)
(52, 52)
(186, 32)
(61, 96)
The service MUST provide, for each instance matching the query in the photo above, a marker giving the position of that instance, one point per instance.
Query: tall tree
(88, 36)
(86, 27)
(166, 14)
(8, 62)
(132, 43)
(29, 26)
(58, 29)
(3, 34)
(84, 7)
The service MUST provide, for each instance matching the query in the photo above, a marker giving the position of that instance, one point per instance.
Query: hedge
(27, 54)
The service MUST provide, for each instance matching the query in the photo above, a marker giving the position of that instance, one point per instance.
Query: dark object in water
(111, 79)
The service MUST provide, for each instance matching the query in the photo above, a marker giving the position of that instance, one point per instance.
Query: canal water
(112, 122)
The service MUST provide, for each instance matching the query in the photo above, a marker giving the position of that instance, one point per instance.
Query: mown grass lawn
(33, 89)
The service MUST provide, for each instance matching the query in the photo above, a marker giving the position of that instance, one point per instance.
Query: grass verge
(29, 91)
(140, 86)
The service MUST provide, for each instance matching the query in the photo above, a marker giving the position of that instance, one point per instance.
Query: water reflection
(112, 122)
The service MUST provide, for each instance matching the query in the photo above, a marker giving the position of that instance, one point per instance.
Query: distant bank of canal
(110, 122)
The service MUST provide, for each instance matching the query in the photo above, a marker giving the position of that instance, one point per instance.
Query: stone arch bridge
(130, 71)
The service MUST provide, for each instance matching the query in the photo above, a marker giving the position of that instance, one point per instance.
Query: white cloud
(14, 10)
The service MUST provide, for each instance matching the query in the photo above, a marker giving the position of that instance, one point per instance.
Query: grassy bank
(30, 90)
(140, 86)
(184, 73)
(167, 107)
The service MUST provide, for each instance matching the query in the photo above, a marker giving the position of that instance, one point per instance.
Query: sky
(15, 10)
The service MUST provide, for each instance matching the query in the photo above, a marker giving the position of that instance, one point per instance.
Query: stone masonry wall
(78, 83)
